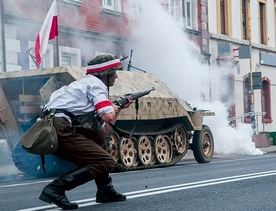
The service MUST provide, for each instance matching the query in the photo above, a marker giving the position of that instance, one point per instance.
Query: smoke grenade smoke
(161, 47)
(7, 168)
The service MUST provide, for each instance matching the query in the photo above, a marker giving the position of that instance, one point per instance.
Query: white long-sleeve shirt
(81, 97)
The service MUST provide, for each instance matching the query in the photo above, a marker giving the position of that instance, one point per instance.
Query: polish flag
(48, 32)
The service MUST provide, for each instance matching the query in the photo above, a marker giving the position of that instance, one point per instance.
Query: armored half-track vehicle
(162, 127)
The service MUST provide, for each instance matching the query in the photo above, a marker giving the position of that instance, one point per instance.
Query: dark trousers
(84, 147)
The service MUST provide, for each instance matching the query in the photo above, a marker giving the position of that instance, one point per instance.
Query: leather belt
(67, 113)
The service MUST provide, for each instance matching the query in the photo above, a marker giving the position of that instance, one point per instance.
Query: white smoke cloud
(7, 168)
(229, 140)
(161, 47)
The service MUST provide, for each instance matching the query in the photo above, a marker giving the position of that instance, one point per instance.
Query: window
(66, 59)
(224, 17)
(227, 95)
(188, 14)
(175, 8)
(262, 22)
(245, 33)
(266, 100)
(136, 7)
(246, 98)
(112, 5)
(69, 56)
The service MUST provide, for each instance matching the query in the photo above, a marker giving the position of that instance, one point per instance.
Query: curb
(269, 152)
(268, 149)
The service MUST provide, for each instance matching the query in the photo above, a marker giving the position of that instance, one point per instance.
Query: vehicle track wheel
(203, 145)
(127, 152)
(162, 149)
(153, 160)
(112, 146)
(144, 149)
(180, 140)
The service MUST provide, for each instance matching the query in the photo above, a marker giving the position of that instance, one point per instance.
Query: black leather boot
(55, 191)
(106, 192)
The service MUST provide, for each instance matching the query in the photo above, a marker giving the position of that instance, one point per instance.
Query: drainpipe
(252, 100)
(2, 37)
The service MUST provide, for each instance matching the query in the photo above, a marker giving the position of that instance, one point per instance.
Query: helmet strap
(107, 83)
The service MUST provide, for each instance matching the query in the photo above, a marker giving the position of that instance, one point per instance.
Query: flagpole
(2, 37)
(57, 43)
(57, 46)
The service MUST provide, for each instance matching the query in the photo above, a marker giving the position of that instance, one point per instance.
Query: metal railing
(253, 120)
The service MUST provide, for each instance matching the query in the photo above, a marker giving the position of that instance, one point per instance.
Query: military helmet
(104, 65)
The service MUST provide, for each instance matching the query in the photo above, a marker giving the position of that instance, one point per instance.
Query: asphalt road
(226, 183)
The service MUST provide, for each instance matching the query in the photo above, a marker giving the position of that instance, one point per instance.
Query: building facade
(85, 29)
(193, 14)
(243, 45)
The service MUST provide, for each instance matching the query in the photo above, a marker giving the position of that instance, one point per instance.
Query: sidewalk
(269, 149)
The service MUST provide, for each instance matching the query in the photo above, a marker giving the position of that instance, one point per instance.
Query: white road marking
(26, 183)
(167, 189)
(154, 169)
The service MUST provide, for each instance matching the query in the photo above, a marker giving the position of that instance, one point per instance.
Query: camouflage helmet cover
(104, 65)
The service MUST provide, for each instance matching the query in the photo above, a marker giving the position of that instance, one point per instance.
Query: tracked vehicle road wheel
(112, 146)
(127, 152)
(203, 145)
(180, 140)
(144, 148)
(162, 149)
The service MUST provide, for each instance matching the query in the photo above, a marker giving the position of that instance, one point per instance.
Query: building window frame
(175, 9)
(73, 54)
(227, 96)
(224, 17)
(189, 14)
(137, 7)
(266, 100)
(114, 5)
(262, 21)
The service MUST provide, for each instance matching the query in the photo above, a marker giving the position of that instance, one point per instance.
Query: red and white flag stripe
(103, 66)
(48, 32)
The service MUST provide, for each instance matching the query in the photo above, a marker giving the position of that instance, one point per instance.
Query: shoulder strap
(42, 158)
